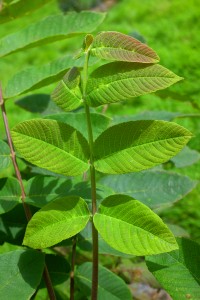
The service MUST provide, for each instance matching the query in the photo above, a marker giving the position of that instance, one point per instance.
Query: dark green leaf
(5, 157)
(10, 194)
(178, 271)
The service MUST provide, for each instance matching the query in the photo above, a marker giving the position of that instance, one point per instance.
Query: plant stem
(72, 268)
(23, 194)
(93, 184)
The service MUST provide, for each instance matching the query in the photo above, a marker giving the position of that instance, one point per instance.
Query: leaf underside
(52, 145)
(57, 221)
(118, 81)
(116, 46)
(131, 227)
(138, 145)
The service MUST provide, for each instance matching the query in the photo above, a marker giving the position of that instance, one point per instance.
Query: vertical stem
(72, 269)
(23, 194)
(93, 184)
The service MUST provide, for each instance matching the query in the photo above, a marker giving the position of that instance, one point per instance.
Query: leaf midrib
(104, 48)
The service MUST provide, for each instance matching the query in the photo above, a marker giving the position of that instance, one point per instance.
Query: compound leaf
(157, 189)
(10, 194)
(131, 227)
(67, 94)
(116, 46)
(57, 221)
(50, 29)
(178, 271)
(21, 272)
(119, 81)
(138, 145)
(110, 286)
(52, 145)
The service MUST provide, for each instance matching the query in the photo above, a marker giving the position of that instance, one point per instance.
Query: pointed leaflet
(178, 271)
(156, 189)
(110, 286)
(119, 81)
(52, 145)
(50, 29)
(5, 156)
(20, 275)
(10, 194)
(131, 227)
(67, 94)
(138, 145)
(19, 8)
(116, 46)
(36, 77)
(56, 222)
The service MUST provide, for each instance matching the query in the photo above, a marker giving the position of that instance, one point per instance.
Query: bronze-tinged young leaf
(57, 221)
(118, 81)
(132, 228)
(50, 29)
(116, 46)
(67, 94)
(52, 145)
(138, 145)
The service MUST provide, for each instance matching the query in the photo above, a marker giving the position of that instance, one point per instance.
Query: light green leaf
(51, 29)
(19, 8)
(10, 194)
(67, 94)
(110, 286)
(5, 157)
(138, 145)
(37, 77)
(131, 227)
(119, 81)
(116, 46)
(178, 271)
(21, 272)
(157, 189)
(78, 120)
(57, 221)
(51, 145)
(186, 157)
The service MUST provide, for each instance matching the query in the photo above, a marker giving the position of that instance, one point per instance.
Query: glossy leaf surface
(64, 26)
(5, 157)
(67, 95)
(57, 221)
(118, 81)
(135, 146)
(51, 145)
(10, 194)
(156, 189)
(116, 46)
(131, 227)
(21, 272)
(178, 271)
(110, 286)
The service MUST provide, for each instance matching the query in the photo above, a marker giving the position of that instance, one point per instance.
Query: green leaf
(186, 157)
(178, 271)
(116, 46)
(38, 103)
(10, 194)
(78, 120)
(37, 77)
(119, 81)
(54, 146)
(138, 145)
(110, 286)
(43, 32)
(5, 157)
(157, 189)
(131, 227)
(67, 94)
(19, 8)
(56, 222)
(21, 272)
